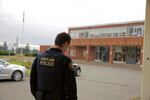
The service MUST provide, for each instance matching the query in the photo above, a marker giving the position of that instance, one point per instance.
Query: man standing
(52, 75)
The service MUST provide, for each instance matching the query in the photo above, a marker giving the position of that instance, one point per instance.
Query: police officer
(52, 75)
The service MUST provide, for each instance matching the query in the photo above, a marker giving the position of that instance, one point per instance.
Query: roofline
(107, 24)
(45, 45)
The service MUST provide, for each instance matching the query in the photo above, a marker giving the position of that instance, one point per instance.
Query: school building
(112, 43)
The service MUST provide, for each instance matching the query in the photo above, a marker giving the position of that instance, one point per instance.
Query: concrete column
(88, 53)
(141, 56)
(111, 54)
(145, 93)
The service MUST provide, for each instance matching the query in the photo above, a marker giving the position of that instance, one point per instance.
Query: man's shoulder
(66, 57)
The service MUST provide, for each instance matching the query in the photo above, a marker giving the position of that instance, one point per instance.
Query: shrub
(26, 64)
(31, 54)
(6, 53)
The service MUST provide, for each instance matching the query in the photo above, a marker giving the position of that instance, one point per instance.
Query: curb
(130, 66)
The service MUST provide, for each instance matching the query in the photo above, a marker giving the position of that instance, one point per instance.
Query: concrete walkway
(121, 65)
(108, 83)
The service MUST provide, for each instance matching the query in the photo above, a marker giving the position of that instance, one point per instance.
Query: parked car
(77, 69)
(11, 71)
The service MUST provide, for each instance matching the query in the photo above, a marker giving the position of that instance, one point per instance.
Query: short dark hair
(62, 38)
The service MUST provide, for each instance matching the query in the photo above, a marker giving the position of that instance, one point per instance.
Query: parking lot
(95, 83)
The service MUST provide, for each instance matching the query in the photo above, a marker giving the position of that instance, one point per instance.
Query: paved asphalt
(10, 90)
(95, 83)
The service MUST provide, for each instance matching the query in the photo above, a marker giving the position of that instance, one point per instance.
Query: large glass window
(81, 35)
(86, 34)
(130, 31)
(102, 34)
(122, 33)
(109, 35)
(109, 32)
(139, 31)
(72, 53)
(97, 34)
(102, 53)
(117, 53)
(74, 34)
(97, 53)
(115, 34)
(135, 30)
(130, 55)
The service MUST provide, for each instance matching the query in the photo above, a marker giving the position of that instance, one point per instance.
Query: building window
(80, 35)
(115, 34)
(108, 35)
(97, 35)
(122, 33)
(118, 54)
(102, 34)
(86, 34)
(72, 53)
(139, 31)
(91, 35)
(135, 31)
(83, 34)
(130, 31)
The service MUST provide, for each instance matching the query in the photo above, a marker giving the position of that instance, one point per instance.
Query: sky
(44, 19)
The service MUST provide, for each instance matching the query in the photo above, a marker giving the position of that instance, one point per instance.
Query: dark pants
(49, 96)
(44, 96)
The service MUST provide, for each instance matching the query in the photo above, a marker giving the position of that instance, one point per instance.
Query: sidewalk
(132, 66)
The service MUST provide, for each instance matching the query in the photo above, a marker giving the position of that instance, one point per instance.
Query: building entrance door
(131, 55)
(97, 54)
(102, 54)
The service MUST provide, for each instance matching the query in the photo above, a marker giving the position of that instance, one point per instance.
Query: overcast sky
(45, 18)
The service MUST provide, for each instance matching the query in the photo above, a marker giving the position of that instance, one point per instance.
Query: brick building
(44, 47)
(113, 43)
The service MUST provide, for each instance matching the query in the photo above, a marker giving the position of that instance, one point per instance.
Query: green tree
(26, 50)
(5, 46)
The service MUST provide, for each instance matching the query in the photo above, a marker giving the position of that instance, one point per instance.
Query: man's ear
(63, 45)
(66, 43)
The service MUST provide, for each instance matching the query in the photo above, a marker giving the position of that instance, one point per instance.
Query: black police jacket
(53, 74)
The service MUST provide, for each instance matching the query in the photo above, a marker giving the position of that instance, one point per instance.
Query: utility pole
(145, 93)
(16, 46)
(22, 31)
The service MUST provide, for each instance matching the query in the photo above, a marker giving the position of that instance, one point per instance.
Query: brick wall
(127, 41)
(88, 45)
(44, 47)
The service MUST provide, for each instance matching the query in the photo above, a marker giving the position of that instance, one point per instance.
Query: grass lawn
(136, 98)
(28, 72)
(19, 60)
(26, 64)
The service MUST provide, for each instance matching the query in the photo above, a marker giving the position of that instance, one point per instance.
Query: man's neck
(58, 47)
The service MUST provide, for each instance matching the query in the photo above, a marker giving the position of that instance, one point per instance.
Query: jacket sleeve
(33, 77)
(70, 81)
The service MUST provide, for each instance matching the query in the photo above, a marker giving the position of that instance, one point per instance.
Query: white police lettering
(47, 62)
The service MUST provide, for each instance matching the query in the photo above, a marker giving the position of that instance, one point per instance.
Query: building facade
(112, 43)
(44, 48)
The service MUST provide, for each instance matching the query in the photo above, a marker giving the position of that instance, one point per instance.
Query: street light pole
(22, 32)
